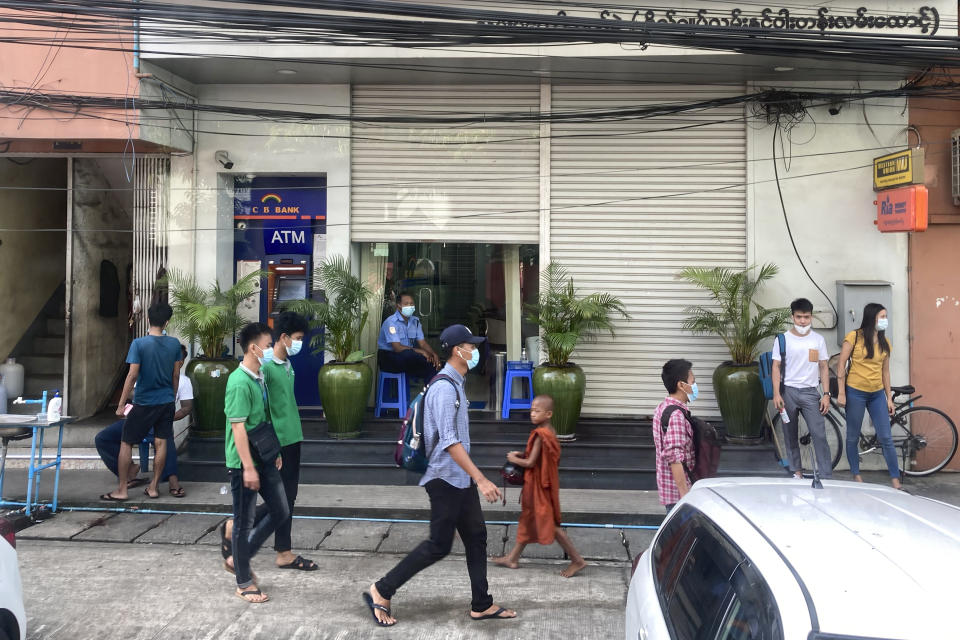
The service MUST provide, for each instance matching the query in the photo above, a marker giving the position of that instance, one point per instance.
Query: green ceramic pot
(742, 403)
(209, 378)
(344, 391)
(566, 386)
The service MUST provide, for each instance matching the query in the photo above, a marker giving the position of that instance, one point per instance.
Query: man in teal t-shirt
(278, 372)
(246, 406)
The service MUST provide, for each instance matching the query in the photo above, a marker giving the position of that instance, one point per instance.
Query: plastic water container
(54, 407)
(12, 375)
(3, 397)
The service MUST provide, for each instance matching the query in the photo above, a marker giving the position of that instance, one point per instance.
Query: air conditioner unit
(955, 166)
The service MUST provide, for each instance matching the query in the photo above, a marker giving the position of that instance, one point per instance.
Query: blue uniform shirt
(396, 328)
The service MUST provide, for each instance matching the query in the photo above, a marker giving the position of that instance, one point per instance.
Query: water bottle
(784, 417)
(223, 490)
(53, 408)
(523, 354)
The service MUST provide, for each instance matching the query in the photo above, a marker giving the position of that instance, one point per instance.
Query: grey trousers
(806, 402)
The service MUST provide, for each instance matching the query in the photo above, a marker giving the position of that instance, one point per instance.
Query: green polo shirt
(243, 403)
(283, 405)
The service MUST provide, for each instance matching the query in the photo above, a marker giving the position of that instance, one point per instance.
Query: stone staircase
(42, 355)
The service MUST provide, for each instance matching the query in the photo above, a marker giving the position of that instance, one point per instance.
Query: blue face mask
(267, 355)
(694, 392)
(882, 324)
(294, 348)
(406, 312)
(474, 358)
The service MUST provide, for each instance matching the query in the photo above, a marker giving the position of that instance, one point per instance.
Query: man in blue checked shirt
(401, 347)
(452, 482)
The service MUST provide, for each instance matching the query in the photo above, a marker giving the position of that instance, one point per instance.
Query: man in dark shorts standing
(155, 363)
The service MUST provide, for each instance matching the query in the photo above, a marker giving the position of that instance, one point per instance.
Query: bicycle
(926, 437)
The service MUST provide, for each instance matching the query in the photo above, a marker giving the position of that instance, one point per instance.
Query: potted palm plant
(345, 382)
(208, 316)
(743, 325)
(567, 318)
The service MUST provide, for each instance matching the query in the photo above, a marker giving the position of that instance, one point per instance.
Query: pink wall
(51, 68)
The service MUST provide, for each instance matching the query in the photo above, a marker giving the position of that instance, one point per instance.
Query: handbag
(511, 474)
(264, 444)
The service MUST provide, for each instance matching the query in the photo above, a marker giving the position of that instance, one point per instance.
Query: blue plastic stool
(403, 395)
(517, 370)
(145, 452)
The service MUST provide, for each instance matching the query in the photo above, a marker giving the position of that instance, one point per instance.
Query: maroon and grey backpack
(706, 444)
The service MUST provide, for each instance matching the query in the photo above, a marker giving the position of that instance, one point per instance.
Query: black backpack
(706, 444)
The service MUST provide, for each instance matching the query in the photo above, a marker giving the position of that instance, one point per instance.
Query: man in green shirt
(246, 406)
(288, 332)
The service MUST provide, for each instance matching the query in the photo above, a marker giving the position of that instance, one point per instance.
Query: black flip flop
(252, 592)
(178, 492)
(137, 482)
(111, 498)
(146, 492)
(373, 606)
(301, 564)
(494, 616)
(226, 544)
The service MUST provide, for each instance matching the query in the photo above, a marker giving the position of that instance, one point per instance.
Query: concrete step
(41, 365)
(35, 385)
(48, 347)
(56, 327)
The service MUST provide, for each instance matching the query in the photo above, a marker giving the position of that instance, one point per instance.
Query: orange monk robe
(540, 497)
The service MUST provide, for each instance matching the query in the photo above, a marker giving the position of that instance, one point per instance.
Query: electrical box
(853, 296)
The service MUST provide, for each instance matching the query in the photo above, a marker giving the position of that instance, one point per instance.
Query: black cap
(458, 334)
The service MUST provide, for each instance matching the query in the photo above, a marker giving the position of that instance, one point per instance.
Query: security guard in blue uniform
(401, 347)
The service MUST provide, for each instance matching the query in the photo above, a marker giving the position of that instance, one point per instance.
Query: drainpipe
(136, 42)
(68, 291)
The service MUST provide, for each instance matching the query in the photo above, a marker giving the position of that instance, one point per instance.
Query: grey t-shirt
(444, 425)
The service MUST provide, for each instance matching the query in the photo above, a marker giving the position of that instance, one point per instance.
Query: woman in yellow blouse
(866, 387)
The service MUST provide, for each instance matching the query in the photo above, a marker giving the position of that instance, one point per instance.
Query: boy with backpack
(674, 445)
(798, 366)
(452, 481)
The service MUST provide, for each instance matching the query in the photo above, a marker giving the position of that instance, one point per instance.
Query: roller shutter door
(632, 206)
(472, 182)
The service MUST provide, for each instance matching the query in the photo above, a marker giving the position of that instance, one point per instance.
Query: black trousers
(407, 361)
(290, 475)
(451, 509)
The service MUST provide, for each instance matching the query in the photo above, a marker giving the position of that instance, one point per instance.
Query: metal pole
(68, 292)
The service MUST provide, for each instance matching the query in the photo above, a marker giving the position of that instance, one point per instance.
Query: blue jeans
(108, 446)
(251, 530)
(875, 403)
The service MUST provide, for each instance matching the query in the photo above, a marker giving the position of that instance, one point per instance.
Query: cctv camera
(835, 108)
(224, 159)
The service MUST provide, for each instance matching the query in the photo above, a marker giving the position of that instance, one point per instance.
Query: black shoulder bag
(264, 444)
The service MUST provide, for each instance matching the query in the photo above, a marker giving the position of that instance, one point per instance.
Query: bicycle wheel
(929, 440)
(834, 439)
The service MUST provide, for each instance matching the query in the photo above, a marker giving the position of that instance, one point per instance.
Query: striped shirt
(444, 425)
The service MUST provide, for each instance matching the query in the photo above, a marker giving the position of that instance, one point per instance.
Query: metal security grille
(150, 215)
(632, 203)
(476, 182)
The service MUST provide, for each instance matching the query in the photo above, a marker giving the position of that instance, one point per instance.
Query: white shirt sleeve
(824, 354)
(185, 389)
(776, 349)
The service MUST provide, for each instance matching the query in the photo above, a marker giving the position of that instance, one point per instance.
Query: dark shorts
(142, 418)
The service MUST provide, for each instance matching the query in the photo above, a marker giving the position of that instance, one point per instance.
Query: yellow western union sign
(898, 169)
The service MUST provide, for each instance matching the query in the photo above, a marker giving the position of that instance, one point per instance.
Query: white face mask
(802, 330)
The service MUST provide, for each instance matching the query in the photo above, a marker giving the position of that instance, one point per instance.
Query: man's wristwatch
(826, 393)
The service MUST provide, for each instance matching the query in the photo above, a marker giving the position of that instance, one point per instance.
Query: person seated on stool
(401, 347)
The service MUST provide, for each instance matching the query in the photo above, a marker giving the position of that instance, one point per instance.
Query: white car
(762, 559)
(13, 619)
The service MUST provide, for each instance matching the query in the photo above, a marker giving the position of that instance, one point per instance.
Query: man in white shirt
(796, 374)
(108, 441)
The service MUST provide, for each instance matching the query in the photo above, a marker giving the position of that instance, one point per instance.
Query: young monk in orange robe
(540, 498)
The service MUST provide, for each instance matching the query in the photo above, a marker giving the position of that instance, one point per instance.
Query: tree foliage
(567, 318)
(735, 317)
(208, 315)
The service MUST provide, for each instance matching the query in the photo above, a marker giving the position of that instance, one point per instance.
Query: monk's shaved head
(545, 402)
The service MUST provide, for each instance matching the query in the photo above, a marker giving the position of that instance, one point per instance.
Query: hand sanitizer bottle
(53, 409)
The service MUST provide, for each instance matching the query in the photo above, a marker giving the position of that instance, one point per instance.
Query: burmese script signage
(926, 20)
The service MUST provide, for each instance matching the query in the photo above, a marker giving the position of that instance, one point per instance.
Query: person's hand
(489, 490)
(121, 410)
(890, 406)
(842, 399)
(513, 456)
(279, 463)
(824, 404)
(778, 400)
(251, 479)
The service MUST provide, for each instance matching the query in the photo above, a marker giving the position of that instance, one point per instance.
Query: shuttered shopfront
(474, 182)
(634, 202)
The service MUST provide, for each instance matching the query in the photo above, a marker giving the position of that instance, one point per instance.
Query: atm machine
(280, 229)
